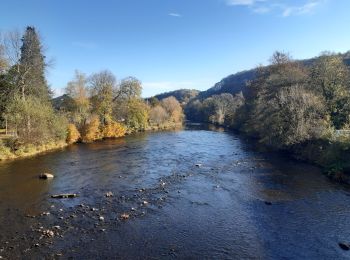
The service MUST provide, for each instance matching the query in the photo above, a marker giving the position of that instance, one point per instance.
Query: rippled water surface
(195, 193)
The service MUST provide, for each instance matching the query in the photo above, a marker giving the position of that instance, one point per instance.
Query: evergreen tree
(32, 67)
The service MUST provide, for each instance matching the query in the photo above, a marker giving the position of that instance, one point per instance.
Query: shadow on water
(198, 192)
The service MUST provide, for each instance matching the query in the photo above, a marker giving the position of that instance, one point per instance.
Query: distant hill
(61, 102)
(236, 83)
(232, 84)
(182, 95)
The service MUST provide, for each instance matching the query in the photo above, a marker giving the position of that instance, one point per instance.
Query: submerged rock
(109, 194)
(124, 216)
(344, 246)
(46, 176)
(48, 233)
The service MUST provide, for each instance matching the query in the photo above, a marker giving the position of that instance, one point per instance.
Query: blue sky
(171, 44)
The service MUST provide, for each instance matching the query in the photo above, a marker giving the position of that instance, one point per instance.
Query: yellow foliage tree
(173, 108)
(92, 130)
(113, 130)
(73, 134)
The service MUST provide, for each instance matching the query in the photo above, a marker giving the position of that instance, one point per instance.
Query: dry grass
(29, 150)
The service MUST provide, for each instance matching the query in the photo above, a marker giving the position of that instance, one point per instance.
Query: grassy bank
(28, 150)
(24, 151)
(166, 126)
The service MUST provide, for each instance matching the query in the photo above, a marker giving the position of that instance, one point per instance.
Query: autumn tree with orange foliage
(91, 131)
(73, 134)
(113, 130)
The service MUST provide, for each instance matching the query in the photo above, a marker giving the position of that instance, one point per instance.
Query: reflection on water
(217, 211)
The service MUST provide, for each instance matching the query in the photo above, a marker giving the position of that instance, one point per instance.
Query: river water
(196, 193)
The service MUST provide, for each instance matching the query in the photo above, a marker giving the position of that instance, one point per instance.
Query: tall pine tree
(32, 67)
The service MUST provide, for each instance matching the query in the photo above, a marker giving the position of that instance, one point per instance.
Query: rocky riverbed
(194, 193)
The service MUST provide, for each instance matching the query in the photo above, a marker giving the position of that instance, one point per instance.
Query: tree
(5, 93)
(77, 90)
(113, 130)
(25, 92)
(153, 101)
(91, 131)
(137, 114)
(158, 115)
(10, 52)
(10, 49)
(32, 67)
(130, 87)
(194, 111)
(295, 115)
(284, 111)
(232, 117)
(34, 121)
(331, 77)
(220, 109)
(4, 64)
(173, 108)
(129, 107)
(73, 134)
(103, 87)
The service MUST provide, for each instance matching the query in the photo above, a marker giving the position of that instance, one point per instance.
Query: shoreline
(34, 151)
(330, 156)
(31, 150)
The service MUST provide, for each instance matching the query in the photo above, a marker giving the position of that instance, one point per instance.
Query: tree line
(95, 106)
(287, 103)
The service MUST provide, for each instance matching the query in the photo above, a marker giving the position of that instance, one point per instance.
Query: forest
(94, 106)
(290, 106)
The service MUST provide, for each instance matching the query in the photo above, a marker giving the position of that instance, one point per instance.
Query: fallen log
(64, 196)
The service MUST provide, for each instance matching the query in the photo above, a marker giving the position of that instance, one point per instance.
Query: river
(197, 193)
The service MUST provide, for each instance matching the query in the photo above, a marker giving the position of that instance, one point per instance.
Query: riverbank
(331, 154)
(33, 150)
(143, 196)
(29, 150)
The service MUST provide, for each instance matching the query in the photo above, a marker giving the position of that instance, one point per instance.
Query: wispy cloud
(175, 14)
(307, 8)
(261, 10)
(84, 45)
(285, 8)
